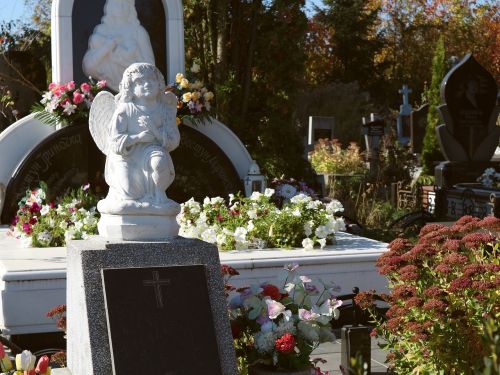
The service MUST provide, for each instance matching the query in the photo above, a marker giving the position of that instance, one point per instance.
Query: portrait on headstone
(117, 42)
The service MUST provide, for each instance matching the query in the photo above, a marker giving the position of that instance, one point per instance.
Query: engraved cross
(156, 283)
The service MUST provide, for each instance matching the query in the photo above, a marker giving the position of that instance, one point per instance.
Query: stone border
(62, 42)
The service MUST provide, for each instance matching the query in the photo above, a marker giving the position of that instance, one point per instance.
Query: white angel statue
(136, 130)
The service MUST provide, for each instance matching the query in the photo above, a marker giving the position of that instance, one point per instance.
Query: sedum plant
(443, 291)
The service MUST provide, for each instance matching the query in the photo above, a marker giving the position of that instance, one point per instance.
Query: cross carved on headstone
(156, 283)
(405, 91)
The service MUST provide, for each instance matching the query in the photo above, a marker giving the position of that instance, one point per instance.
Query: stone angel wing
(101, 112)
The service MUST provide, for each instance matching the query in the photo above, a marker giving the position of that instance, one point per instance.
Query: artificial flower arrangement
(67, 103)
(193, 98)
(278, 326)
(445, 292)
(25, 364)
(43, 223)
(490, 178)
(286, 188)
(257, 223)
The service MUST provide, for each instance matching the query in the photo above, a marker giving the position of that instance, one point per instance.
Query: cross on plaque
(406, 91)
(156, 283)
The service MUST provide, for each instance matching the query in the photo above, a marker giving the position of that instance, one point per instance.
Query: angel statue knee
(137, 130)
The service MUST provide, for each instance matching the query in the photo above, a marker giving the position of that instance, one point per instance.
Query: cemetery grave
(183, 207)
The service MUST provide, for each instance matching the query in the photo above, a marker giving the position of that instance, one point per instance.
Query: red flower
(272, 291)
(285, 344)
(42, 365)
(78, 97)
(228, 270)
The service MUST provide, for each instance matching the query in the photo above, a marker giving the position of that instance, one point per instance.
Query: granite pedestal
(89, 345)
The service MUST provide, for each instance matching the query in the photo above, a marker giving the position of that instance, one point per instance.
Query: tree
(431, 152)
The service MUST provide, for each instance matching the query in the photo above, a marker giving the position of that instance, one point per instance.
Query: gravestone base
(137, 228)
(91, 348)
(449, 173)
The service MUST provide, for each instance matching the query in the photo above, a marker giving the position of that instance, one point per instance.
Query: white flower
(209, 235)
(308, 228)
(334, 206)
(335, 224)
(69, 234)
(301, 198)
(206, 201)
(63, 224)
(78, 225)
(489, 171)
(322, 231)
(255, 196)
(45, 237)
(217, 200)
(231, 198)
(221, 239)
(240, 234)
(85, 235)
(69, 108)
(26, 241)
(307, 244)
(252, 214)
(51, 107)
(46, 97)
(296, 212)
(322, 242)
(250, 226)
(195, 68)
(314, 205)
(287, 191)
(45, 209)
(268, 192)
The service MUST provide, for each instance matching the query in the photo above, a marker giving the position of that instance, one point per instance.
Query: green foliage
(431, 152)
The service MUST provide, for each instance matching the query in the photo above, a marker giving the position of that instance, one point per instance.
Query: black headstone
(87, 15)
(418, 124)
(470, 94)
(66, 159)
(69, 158)
(160, 321)
(201, 169)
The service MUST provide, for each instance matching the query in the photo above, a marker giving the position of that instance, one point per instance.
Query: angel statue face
(118, 9)
(142, 82)
(145, 86)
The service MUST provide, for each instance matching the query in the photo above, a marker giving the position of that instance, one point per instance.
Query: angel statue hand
(144, 137)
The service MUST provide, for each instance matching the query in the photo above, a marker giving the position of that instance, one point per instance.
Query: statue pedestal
(138, 227)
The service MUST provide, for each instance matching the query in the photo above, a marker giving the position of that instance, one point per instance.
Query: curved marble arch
(62, 42)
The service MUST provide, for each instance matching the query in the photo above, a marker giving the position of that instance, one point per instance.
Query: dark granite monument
(69, 159)
(147, 308)
(418, 123)
(320, 127)
(468, 139)
(164, 313)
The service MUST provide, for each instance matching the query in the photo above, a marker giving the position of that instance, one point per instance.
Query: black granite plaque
(66, 159)
(470, 93)
(87, 15)
(160, 321)
(418, 124)
(201, 169)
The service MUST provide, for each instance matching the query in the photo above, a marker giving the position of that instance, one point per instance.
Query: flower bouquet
(25, 364)
(256, 222)
(194, 99)
(42, 223)
(490, 178)
(277, 327)
(67, 103)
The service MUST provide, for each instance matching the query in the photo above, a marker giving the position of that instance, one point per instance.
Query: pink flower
(27, 228)
(71, 85)
(101, 84)
(85, 87)
(52, 85)
(42, 365)
(274, 309)
(78, 97)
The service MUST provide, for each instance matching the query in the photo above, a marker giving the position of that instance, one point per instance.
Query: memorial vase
(261, 370)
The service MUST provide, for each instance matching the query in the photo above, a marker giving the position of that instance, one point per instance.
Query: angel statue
(136, 130)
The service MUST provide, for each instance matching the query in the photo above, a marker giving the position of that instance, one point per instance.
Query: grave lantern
(254, 181)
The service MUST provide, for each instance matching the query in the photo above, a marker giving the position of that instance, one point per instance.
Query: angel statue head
(137, 130)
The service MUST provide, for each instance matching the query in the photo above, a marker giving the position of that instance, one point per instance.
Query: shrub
(329, 157)
(443, 290)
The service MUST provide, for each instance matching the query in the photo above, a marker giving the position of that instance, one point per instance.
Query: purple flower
(291, 267)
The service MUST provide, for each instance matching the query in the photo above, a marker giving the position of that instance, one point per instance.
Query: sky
(15, 9)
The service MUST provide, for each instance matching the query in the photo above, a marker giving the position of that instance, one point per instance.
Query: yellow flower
(184, 83)
(186, 97)
(178, 121)
(6, 364)
(208, 96)
(195, 68)
(195, 96)
(179, 77)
